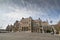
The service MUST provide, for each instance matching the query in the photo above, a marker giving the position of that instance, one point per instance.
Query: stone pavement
(28, 36)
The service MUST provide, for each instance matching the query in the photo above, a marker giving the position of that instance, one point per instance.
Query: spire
(30, 17)
(51, 21)
(39, 19)
(17, 21)
(22, 17)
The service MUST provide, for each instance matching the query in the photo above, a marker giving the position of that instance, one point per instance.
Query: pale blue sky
(12, 10)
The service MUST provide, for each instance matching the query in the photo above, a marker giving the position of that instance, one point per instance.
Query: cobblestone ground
(28, 36)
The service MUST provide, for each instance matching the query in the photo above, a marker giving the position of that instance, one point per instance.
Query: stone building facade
(28, 24)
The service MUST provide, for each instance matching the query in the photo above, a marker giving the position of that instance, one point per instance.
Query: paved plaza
(28, 36)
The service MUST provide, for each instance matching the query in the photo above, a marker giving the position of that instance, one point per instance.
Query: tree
(9, 28)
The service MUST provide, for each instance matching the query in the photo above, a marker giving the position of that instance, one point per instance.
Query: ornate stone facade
(28, 24)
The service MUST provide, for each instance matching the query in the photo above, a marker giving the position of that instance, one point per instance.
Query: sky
(12, 10)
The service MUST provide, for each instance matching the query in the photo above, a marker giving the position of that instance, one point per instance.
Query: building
(57, 27)
(28, 24)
